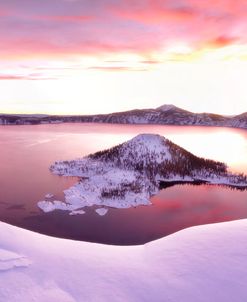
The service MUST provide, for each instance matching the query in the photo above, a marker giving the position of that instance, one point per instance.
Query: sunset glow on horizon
(85, 57)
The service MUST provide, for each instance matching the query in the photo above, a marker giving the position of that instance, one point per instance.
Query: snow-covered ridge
(166, 107)
(163, 115)
(127, 175)
(200, 264)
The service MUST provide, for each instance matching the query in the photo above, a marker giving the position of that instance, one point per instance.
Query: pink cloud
(153, 12)
(106, 26)
(221, 41)
(4, 12)
(65, 18)
(4, 77)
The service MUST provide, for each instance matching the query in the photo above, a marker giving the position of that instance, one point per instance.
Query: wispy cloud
(64, 18)
(8, 77)
(116, 68)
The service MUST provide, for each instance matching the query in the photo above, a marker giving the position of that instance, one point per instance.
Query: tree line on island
(149, 165)
(182, 162)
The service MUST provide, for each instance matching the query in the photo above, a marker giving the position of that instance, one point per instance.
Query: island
(128, 174)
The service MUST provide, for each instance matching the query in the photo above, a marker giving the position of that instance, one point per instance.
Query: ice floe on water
(101, 211)
(77, 212)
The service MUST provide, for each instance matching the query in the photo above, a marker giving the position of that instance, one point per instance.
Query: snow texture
(10, 260)
(200, 264)
(166, 107)
(49, 206)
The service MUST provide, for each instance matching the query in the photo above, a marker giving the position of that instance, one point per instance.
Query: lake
(26, 152)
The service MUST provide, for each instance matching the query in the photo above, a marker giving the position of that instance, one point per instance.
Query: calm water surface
(26, 152)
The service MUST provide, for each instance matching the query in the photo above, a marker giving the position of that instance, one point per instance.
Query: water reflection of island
(197, 182)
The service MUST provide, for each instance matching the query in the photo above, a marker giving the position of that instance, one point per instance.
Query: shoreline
(75, 207)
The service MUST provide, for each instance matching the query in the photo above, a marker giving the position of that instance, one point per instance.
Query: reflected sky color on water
(28, 151)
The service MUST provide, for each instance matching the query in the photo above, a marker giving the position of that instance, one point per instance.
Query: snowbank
(200, 264)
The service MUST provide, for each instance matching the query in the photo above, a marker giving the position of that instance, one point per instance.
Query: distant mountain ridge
(163, 115)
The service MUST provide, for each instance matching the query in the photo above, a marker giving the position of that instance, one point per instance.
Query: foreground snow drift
(206, 263)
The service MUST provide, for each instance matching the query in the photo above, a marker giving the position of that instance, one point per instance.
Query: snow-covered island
(127, 175)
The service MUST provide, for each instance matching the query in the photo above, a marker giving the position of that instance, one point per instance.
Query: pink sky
(84, 56)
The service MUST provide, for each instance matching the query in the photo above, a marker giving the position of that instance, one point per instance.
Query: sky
(99, 56)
